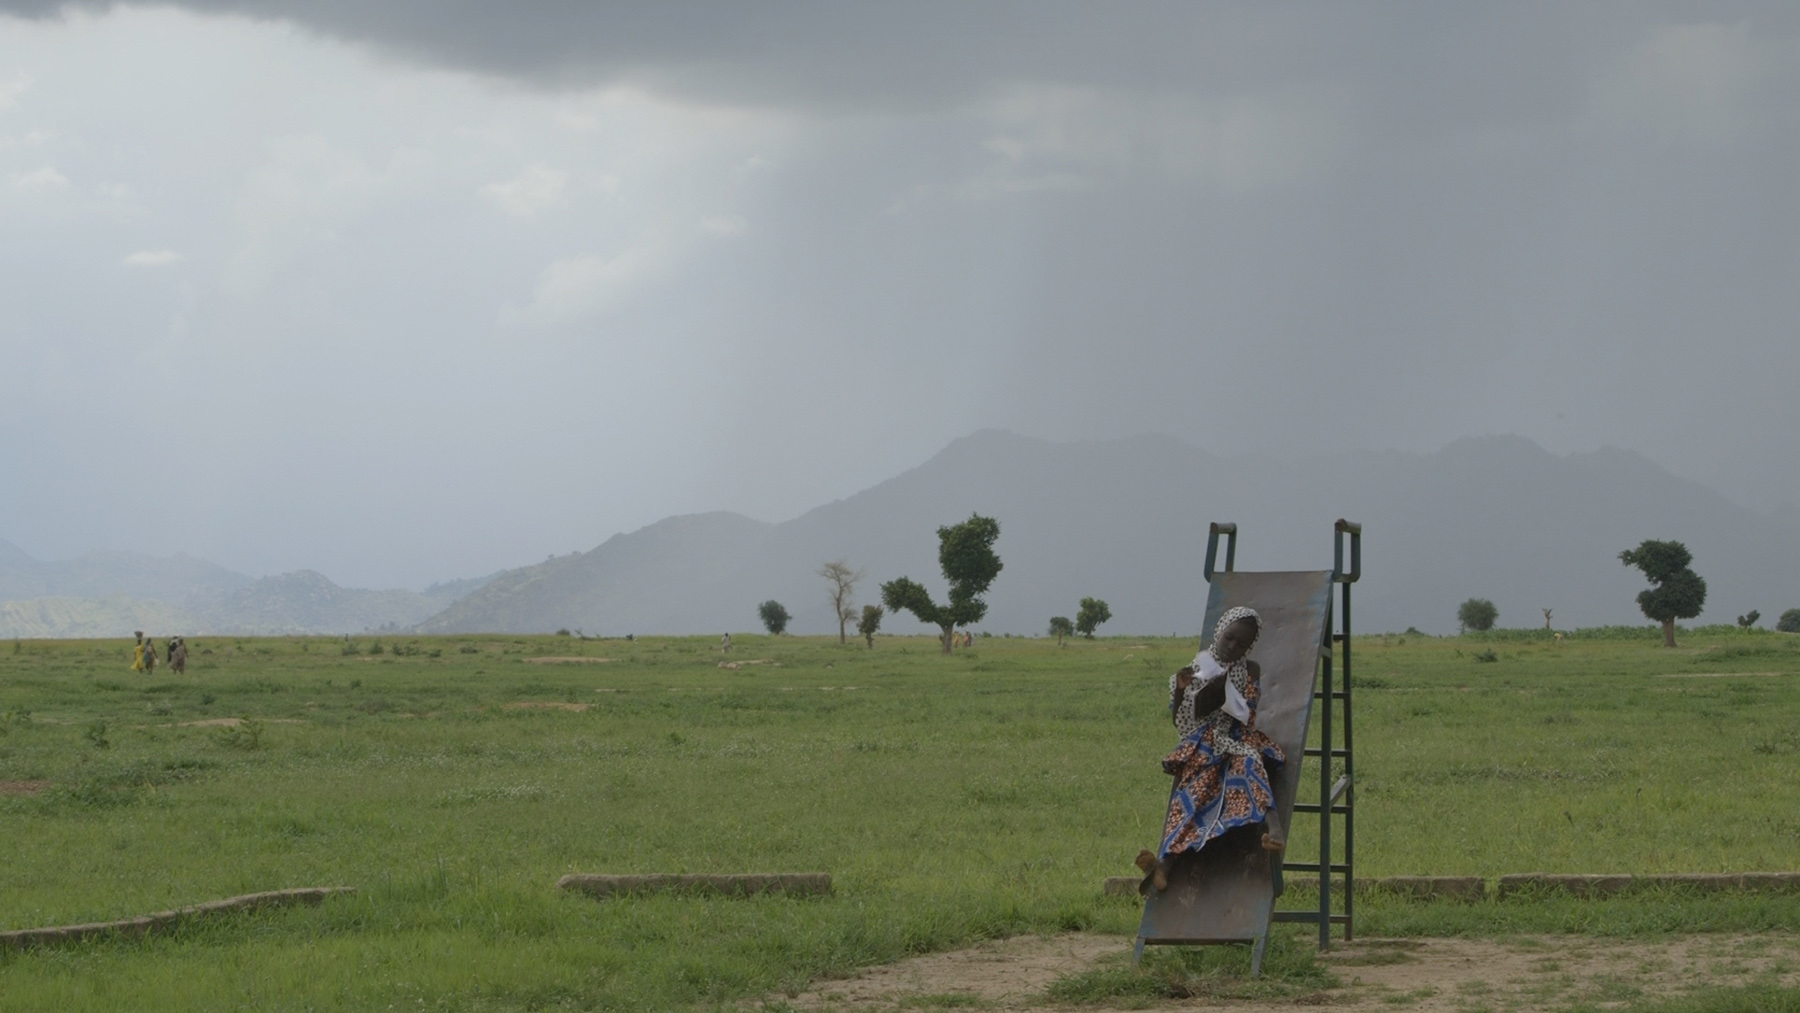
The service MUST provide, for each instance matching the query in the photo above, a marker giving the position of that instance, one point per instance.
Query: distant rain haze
(404, 293)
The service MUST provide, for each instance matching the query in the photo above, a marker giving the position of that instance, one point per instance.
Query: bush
(1789, 621)
(1477, 614)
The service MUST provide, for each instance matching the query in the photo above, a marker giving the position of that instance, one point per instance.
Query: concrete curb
(797, 884)
(1474, 888)
(1613, 885)
(20, 939)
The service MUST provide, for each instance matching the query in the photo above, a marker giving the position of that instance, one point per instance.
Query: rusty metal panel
(1225, 892)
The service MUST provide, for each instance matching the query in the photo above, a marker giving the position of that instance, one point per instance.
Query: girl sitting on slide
(1221, 768)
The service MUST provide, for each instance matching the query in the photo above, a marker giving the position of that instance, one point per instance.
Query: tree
(871, 621)
(1749, 620)
(843, 582)
(1789, 621)
(966, 555)
(1093, 613)
(1477, 614)
(1680, 593)
(1061, 627)
(773, 616)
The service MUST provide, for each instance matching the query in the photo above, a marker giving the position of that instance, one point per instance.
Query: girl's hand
(1184, 678)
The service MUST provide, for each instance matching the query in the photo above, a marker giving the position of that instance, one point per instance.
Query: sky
(410, 292)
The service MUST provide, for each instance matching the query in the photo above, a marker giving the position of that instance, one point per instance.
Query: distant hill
(177, 580)
(307, 602)
(110, 594)
(116, 616)
(1126, 521)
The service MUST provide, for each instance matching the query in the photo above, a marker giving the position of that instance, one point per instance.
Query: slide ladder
(1226, 892)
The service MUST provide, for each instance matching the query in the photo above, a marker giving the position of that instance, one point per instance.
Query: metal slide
(1226, 891)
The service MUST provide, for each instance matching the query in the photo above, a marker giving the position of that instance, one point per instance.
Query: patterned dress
(1221, 770)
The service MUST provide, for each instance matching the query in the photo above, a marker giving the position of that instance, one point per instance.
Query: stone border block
(20, 939)
(1121, 886)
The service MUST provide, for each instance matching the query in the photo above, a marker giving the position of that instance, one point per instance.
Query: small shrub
(349, 648)
(1789, 621)
(376, 647)
(96, 734)
(246, 735)
(563, 633)
(1486, 657)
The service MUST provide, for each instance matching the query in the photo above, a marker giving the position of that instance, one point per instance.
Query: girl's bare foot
(1157, 871)
(1272, 843)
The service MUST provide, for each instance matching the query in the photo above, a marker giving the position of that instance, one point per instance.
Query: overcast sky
(405, 292)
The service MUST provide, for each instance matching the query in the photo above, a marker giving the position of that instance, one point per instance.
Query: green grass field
(952, 799)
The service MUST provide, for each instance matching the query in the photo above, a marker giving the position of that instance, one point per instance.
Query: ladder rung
(1313, 751)
(1313, 807)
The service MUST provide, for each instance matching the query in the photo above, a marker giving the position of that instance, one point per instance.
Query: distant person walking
(178, 654)
(725, 643)
(137, 653)
(149, 655)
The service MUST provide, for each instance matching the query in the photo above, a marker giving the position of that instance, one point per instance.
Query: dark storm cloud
(1482, 61)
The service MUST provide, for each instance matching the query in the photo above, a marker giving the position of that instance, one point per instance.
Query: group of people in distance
(143, 656)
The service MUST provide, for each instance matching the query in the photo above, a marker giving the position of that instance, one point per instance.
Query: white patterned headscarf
(1238, 671)
(1232, 615)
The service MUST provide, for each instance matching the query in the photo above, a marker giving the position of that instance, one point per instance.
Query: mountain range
(1126, 521)
(110, 594)
(1122, 520)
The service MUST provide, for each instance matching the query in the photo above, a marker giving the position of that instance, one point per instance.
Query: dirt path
(1426, 975)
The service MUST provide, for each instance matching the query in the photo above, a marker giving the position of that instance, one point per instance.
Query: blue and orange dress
(1221, 767)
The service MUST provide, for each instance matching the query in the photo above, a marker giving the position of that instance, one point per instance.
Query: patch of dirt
(1427, 975)
(568, 661)
(544, 705)
(23, 788)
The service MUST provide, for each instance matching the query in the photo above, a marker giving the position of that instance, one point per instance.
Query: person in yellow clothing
(137, 653)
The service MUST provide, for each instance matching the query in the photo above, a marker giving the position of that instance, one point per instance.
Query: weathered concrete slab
(20, 939)
(787, 883)
(1121, 886)
(1612, 885)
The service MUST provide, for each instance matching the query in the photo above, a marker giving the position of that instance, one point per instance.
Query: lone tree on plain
(843, 581)
(1477, 614)
(871, 621)
(1093, 613)
(1061, 627)
(1680, 593)
(966, 555)
(1748, 620)
(774, 616)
